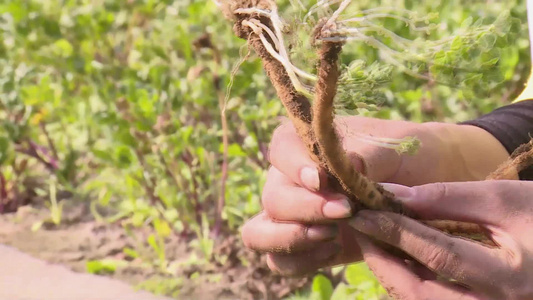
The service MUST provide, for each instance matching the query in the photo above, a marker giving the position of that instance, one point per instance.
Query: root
(296, 104)
(520, 159)
(370, 194)
(337, 162)
(461, 229)
(315, 126)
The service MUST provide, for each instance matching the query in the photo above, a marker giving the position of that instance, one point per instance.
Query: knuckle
(291, 240)
(278, 136)
(391, 224)
(249, 230)
(267, 196)
(295, 237)
(438, 259)
(499, 193)
(434, 193)
(247, 233)
(270, 205)
(440, 190)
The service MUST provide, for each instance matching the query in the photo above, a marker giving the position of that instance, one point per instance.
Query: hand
(299, 227)
(503, 208)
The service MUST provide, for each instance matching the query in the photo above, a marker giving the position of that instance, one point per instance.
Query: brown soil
(236, 273)
(75, 241)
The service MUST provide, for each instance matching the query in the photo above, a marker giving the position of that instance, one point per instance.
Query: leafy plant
(105, 266)
(56, 208)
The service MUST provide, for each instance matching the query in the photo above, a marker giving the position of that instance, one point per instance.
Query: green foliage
(359, 284)
(136, 126)
(322, 288)
(163, 286)
(105, 266)
(396, 45)
(56, 208)
(114, 101)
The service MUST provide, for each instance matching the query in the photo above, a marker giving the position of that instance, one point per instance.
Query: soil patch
(235, 272)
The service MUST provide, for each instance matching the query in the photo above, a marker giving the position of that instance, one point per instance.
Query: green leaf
(359, 273)
(342, 292)
(322, 288)
(63, 48)
(457, 43)
(130, 252)
(162, 228)
(104, 266)
(234, 150)
(36, 226)
(123, 156)
(153, 243)
(488, 40)
(5, 145)
(467, 22)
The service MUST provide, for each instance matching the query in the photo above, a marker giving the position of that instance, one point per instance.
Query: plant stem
(36, 151)
(49, 140)
(225, 142)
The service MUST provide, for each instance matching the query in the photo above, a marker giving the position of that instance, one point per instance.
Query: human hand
(299, 228)
(503, 208)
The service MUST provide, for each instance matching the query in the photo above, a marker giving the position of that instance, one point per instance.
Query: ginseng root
(257, 22)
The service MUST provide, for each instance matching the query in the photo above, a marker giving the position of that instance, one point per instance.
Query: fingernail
(401, 192)
(322, 232)
(337, 209)
(310, 179)
(327, 252)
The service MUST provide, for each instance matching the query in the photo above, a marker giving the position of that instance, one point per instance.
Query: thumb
(401, 282)
(458, 201)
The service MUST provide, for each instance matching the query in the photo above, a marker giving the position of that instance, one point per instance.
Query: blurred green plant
(358, 283)
(104, 266)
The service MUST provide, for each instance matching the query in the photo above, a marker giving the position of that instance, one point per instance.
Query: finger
(419, 269)
(286, 202)
(304, 262)
(378, 163)
(467, 262)
(362, 140)
(401, 282)
(262, 234)
(289, 155)
(316, 257)
(460, 201)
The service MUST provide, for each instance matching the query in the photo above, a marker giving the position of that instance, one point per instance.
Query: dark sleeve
(512, 125)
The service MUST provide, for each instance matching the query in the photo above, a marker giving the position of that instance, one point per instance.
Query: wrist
(466, 152)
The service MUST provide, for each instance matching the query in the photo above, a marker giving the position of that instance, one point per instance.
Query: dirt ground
(50, 263)
(238, 274)
(24, 277)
